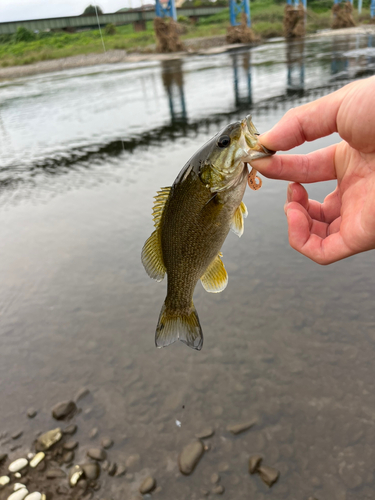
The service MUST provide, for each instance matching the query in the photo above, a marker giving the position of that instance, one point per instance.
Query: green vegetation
(25, 47)
(91, 10)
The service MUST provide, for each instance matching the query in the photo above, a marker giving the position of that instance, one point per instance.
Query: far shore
(203, 46)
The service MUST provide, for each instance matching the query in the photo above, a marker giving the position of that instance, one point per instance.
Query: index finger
(305, 123)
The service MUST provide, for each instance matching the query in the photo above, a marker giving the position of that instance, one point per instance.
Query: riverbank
(204, 45)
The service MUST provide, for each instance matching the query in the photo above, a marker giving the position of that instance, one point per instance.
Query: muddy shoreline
(209, 45)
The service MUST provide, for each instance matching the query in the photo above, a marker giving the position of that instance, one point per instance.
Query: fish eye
(224, 141)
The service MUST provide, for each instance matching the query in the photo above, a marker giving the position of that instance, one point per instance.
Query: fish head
(225, 157)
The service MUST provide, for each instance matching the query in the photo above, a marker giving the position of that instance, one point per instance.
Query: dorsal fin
(237, 225)
(215, 279)
(152, 257)
(159, 204)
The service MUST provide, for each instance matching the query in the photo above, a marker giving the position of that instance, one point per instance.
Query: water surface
(290, 343)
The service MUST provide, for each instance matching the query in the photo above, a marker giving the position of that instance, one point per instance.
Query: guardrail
(81, 22)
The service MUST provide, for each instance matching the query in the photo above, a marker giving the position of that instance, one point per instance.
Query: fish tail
(174, 326)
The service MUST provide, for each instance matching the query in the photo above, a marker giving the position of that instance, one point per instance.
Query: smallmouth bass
(192, 219)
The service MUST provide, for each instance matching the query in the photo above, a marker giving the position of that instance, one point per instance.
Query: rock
(18, 465)
(4, 480)
(268, 475)
(254, 463)
(55, 473)
(75, 474)
(37, 459)
(18, 486)
(3, 457)
(81, 394)
(97, 454)
(121, 470)
(31, 412)
(47, 440)
(112, 469)
(205, 433)
(34, 496)
(107, 443)
(148, 485)
(71, 429)
(19, 494)
(215, 478)
(64, 410)
(93, 433)
(68, 457)
(218, 490)
(132, 461)
(105, 465)
(82, 485)
(190, 456)
(70, 445)
(238, 428)
(18, 475)
(91, 470)
(17, 434)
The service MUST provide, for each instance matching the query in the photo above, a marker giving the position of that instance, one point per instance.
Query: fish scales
(192, 220)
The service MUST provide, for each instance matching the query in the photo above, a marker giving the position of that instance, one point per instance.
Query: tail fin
(172, 327)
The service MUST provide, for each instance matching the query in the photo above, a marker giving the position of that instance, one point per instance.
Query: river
(288, 343)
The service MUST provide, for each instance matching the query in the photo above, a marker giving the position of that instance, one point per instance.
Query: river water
(288, 342)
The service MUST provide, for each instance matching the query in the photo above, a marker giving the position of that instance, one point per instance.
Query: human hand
(344, 224)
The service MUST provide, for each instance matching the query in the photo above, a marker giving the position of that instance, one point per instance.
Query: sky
(21, 10)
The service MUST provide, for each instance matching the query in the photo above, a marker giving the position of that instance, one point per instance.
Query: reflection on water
(287, 342)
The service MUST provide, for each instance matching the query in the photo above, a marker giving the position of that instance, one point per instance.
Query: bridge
(75, 23)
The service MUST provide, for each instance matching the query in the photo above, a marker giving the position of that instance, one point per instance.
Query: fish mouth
(256, 150)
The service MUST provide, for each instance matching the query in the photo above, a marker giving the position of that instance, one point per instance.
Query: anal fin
(215, 279)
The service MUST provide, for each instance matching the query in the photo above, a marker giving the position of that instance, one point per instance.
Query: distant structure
(295, 19)
(168, 10)
(342, 16)
(236, 9)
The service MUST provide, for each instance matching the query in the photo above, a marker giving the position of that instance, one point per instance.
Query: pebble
(121, 470)
(129, 477)
(81, 394)
(132, 461)
(223, 467)
(34, 496)
(55, 473)
(218, 490)
(312, 498)
(31, 412)
(37, 459)
(215, 478)
(68, 457)
(107, 443)
(91, 470)
(268, 475)
(93, 433)
(254, 463)
(4, 480)
(71, 429)
(206, 433)
(17, 475)
(18, 495)
(43, 497)
(112, 469)
(105, 465)
(18, 465)
(17, 434)
(70, 445)
(64, 410)
(48, 439)
(238, 428)
(97, 454)
(190, 456)
(74, 475)
(18, 486)
(205, 492)
(3, 457)
(148, 485)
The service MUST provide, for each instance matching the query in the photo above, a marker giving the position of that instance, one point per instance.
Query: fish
(192, 219)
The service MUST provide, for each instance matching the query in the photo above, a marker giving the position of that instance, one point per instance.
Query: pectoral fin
(215, 279)
(237, 225)
(152, 257)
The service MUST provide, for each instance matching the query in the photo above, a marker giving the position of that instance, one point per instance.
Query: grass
(266, 15)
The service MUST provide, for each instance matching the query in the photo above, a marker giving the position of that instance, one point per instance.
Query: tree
(90, 10)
